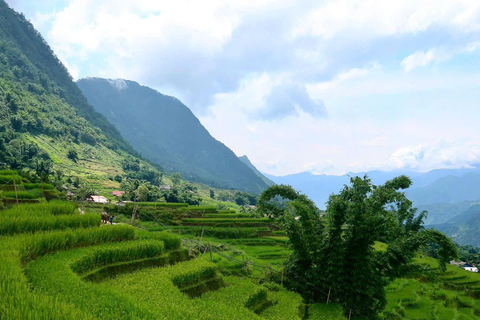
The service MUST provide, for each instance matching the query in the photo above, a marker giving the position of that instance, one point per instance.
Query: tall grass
(118, 252)
(17, 301)
(33, 194)
(171, 241)
(42, 209)
(25, 224)
(32, 186)
(8, 179)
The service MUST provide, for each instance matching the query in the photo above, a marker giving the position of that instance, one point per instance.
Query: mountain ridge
(167, 132)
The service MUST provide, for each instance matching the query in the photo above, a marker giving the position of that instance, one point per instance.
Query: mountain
(449, 189)
(439, 213)
(464, 228)
(249, 164)
(44, 115)
(436, 186)
(166, 132)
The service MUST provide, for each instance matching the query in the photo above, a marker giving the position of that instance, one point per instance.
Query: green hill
(44, 115)
(166, 132)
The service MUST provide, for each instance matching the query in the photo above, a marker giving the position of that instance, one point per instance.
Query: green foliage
(176, 139)
(72, 154)
(343, 242)
(320, 311)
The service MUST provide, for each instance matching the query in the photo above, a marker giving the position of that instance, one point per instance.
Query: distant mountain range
(166, 132)
(436, 186)
(451, 196)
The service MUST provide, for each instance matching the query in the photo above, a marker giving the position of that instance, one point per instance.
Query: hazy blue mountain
(463, 228)
(249, 164)
(439, 213)
(437, 186)
(166, 132)
(449, 189)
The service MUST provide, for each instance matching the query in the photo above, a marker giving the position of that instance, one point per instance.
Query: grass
(25, 224)
(155, 291)
(320, 311)
(119, 252)
(18, 301)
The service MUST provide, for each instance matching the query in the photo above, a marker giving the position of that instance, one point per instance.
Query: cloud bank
(329, 86)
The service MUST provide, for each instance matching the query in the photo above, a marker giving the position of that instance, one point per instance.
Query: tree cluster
(335, 251)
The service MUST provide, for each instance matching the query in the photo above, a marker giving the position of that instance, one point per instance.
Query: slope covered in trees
(165, 131)
(44, 117)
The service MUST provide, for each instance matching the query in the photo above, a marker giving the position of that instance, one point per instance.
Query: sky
(323, 86)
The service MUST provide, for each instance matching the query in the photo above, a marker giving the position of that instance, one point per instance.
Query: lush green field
(96, 271)
(57, 263)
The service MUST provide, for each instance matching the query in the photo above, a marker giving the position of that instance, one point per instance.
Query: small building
(458, 264)
(118, 193)
(166, 187)
(98, 199)
(470, 268)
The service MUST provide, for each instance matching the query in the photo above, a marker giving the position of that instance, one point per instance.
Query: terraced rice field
(94, 271)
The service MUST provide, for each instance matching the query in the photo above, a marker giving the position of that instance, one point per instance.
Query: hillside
(249, 164)
(44, 115)
(464, 228)
(166, 132)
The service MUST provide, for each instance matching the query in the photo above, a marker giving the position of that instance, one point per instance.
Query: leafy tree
(72, 155)
(212, 194)
(241, 199)
(176, 177)
(336, 252)
(143, 193)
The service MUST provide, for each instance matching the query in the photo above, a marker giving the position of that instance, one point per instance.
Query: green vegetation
(359, 215)
(190, 151)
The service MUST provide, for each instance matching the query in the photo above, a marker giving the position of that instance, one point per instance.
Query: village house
(118, 193)
(166, 187)
(98, 199)
(470, 268)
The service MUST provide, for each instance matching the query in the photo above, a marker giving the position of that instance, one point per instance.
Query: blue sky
(324, 86)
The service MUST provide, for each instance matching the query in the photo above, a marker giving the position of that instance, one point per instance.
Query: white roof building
(99, 199)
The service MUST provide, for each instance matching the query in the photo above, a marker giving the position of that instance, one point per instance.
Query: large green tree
(335, 251)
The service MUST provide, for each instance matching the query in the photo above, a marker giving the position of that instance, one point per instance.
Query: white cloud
(421, 59)
(443, 154)
(223, 59)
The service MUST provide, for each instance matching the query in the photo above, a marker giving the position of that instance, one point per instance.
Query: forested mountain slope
(249, 164)
(166, 132)
(43, 114)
